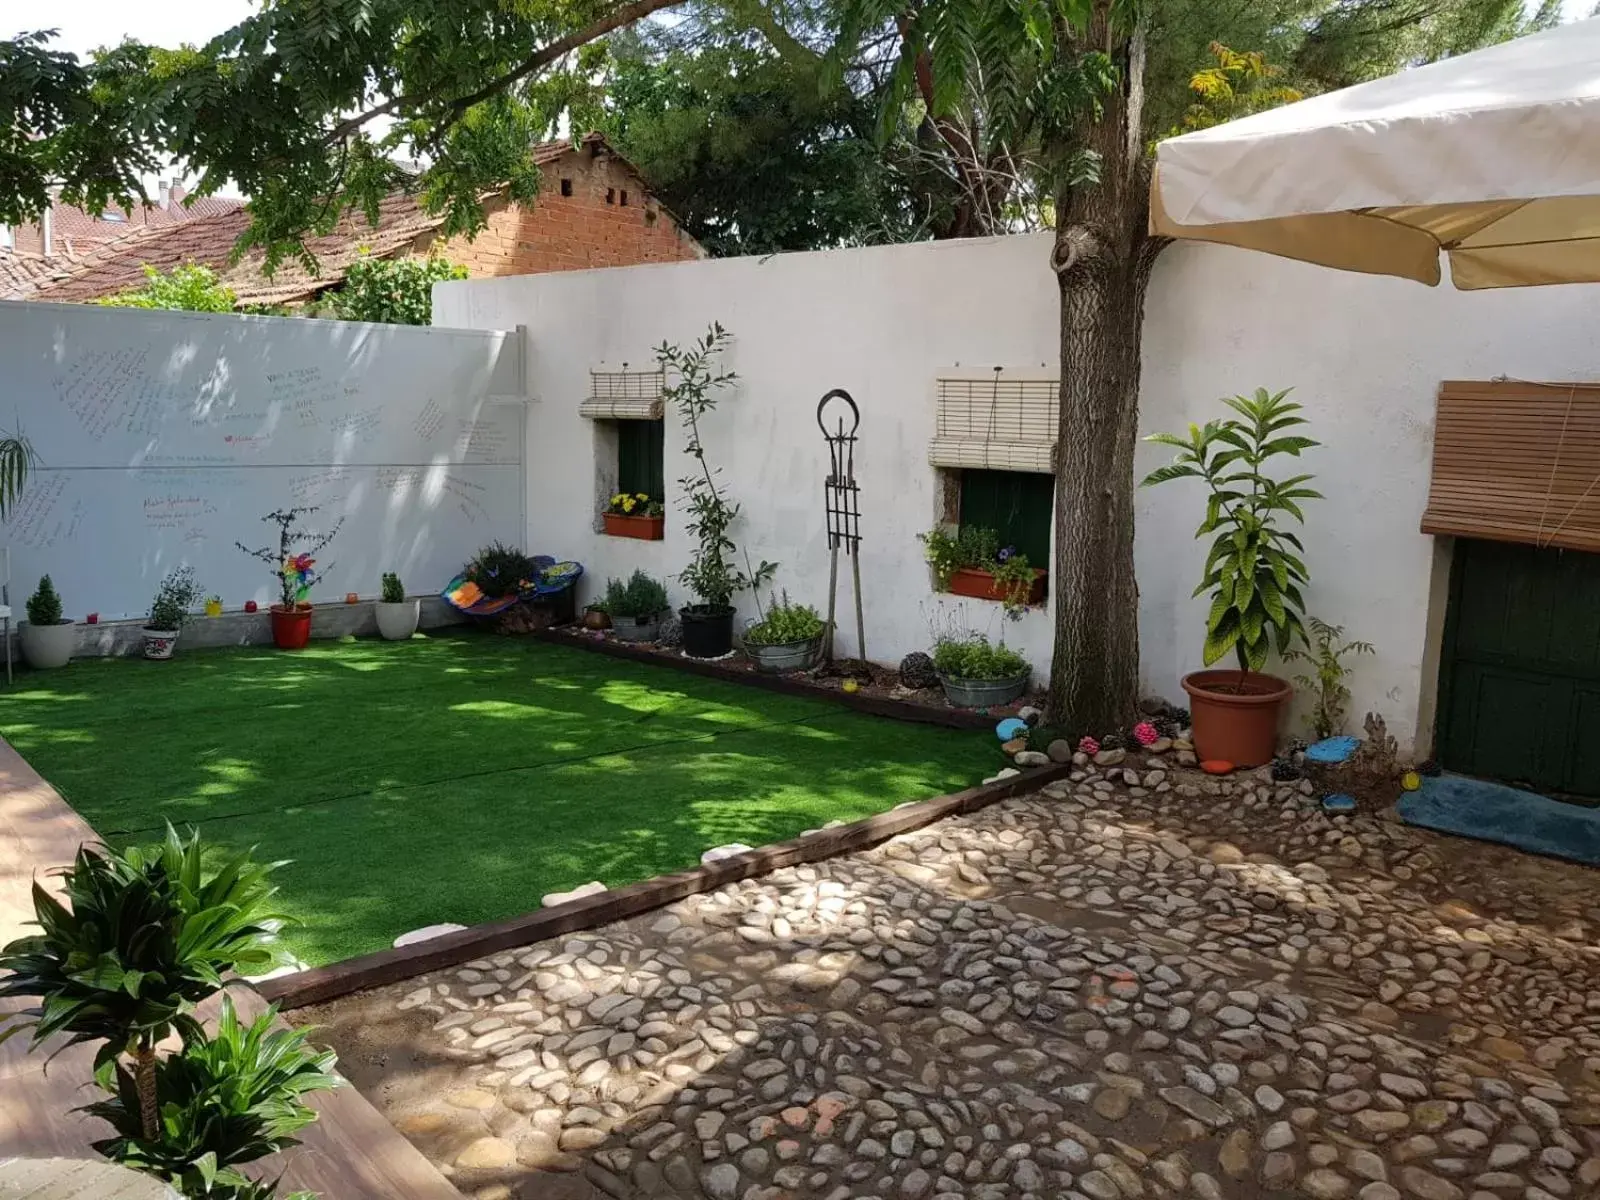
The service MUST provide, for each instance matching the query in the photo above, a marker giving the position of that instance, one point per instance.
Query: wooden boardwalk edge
(383, 967)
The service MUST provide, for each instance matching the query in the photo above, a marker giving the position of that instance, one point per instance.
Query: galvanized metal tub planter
(785, 656)
(636, 629)
(984, 693)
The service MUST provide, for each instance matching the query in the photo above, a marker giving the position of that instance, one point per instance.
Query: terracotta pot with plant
(711, 575)
(634, 515)
(970, 561)
(296, 573)
(1253, 571)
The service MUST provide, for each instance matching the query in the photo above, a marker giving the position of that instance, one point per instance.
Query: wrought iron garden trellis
(842, 504)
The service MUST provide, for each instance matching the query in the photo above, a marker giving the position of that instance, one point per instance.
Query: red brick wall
(590, 228)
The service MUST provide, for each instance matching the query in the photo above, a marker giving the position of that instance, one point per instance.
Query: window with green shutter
(1016, 505)
(641, 456)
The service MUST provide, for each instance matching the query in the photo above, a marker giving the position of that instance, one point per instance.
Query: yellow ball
(1411, 781)
(851, 686)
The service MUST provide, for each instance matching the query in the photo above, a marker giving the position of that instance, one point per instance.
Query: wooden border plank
(391, 966)
(877, 706)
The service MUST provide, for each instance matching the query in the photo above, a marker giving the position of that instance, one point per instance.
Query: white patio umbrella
(1492, 158)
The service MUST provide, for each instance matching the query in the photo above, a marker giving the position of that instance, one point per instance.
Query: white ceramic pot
(48, 646)
(398, 621)
(159, 643)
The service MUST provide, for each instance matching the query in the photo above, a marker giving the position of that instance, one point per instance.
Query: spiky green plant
(1325, 681)
(230, 1098)
(1253, 570)
(16, 459)
(145, 936)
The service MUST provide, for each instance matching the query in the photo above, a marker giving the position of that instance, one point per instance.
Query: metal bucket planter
(983, 693)
(786, 656)
(636, 629)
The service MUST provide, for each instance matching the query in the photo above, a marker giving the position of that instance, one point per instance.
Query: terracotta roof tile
(21, 274)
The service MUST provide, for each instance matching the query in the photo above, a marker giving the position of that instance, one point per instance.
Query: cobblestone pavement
(1180, 988)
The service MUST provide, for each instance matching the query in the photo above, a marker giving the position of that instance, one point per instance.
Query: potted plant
(213, 606)
(710, 575)
(970, 561)
(976, 674)
(168, 611)
(291, 617)
(788, 637)
(1252, 572)
(596, 617)
(634, 515)
(397, 616)
(48, 638)
(636, 608)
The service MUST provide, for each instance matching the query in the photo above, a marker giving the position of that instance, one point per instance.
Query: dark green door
(1520, 689)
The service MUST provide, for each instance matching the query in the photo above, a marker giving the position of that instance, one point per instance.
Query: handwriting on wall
(302, 394)
(429, 421)
(39, 520)
(111, 391)
(485, 440)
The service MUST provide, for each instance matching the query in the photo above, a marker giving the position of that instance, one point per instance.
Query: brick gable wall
(591, 227)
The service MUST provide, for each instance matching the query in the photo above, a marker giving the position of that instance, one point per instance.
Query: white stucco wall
(1365, 356)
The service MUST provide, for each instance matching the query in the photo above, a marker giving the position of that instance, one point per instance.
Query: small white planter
(398, 621)
(45, 647)
(159, 643)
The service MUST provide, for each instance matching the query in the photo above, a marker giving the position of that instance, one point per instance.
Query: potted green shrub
(397, 616)
(636, 608)
(977, 674)
(788, 637)
(710, 576)
(48, 638)
(1252, 572)
(168, 611)
(294, 570)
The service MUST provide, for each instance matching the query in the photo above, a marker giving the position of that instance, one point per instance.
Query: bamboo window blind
(624, 396)
(1517, 462)
(996, 423)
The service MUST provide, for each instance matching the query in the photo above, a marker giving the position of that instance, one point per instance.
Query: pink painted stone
(797, 1117)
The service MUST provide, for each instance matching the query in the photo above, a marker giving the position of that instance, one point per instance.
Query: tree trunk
(144, 1079)
(1102, 255)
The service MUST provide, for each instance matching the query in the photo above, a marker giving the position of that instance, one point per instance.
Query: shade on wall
(1517, 462)
(996, 423)
(624, 396)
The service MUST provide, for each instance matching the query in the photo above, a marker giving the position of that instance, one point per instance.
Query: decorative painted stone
(1216, 766)
(1011, 728)
(1014, 745)
(1338, 802)
(1332, 750)
(1411, 781)
(1144, 733)
(850, 687)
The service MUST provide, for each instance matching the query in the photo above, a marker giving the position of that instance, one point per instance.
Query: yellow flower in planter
(627, 504)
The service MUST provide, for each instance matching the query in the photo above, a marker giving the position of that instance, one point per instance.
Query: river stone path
(1137, 984)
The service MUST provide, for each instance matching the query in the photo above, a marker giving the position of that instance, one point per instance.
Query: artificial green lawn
(457, 778)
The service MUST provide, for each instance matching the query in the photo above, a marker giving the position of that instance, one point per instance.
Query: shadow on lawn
(459, 779)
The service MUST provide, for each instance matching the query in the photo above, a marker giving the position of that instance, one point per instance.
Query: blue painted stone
(1011, 727)
(1338, 802)
(1332, 750)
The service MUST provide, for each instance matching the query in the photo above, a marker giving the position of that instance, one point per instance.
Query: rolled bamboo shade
(624, 396)
(1517, 462)
(996, 423)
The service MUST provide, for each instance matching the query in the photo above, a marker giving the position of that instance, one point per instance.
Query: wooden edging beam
(391, 966)
(878, 706)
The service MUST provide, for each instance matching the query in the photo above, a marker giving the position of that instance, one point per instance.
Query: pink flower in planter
(1145, 733)
(1087, 745)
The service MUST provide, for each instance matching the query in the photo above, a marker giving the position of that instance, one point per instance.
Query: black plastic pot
(707, 630)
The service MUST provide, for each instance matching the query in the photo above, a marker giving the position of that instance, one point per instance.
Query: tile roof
(118, 265)
(21, 273)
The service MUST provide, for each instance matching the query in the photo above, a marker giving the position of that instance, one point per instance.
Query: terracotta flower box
(646, 529)
(980, 585)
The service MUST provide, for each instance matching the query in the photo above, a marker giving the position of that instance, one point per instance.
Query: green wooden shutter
(1016, 505)
(641, 450)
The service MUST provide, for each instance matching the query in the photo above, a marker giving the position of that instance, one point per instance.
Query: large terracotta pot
(1236, 715)
(291, 627)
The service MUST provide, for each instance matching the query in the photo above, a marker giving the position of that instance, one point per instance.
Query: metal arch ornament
(841, 497)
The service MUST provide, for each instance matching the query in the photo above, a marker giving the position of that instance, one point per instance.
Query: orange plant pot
(980, 585)
(1236, 715)
(646, 529)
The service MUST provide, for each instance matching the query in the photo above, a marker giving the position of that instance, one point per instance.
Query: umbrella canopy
(1492, 158)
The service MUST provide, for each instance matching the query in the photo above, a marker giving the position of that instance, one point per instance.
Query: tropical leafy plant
(291, 563)
(174, 598)
(186, 288)
(785, 622)
(697, 377)
(499, 569)
(394, 592)
(145, 936)
(44, 606)
(641, 596)
(1326, 653)
(224, 1099)
(391, 291)
(1253, 570)
(971, 656)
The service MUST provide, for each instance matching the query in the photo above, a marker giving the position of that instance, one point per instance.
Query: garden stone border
(602, 908)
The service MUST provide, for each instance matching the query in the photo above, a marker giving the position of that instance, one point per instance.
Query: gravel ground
(1138, 984)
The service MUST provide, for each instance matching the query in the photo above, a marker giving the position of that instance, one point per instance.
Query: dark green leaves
(1253, 578)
